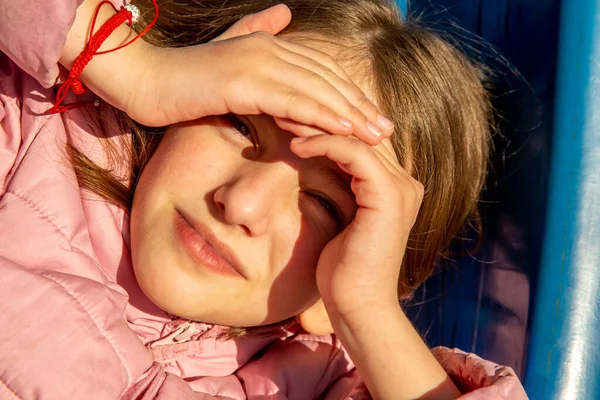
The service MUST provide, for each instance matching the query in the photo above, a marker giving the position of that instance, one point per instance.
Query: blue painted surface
(483, 304)
(564, 356)
(402, 6)
(533, 292)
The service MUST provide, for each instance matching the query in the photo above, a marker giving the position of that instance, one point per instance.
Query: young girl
(285, 208)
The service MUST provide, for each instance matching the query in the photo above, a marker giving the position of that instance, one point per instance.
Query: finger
(385, 151)
(289, 104)
(370, 125)
(272, 20)
(319, 56)
(315, 86)
(374, 186)
(387, 156)
(297, 128)
(352, 156)
(349, 89)
(371, 184)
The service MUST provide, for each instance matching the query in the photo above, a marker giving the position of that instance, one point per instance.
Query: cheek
(170, 175)
(295, 286)
(177, 169)
(177, 157)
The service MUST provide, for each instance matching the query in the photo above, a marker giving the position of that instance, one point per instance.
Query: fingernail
(385, 123)
(299, 140)
(374, 129)
(345, 122)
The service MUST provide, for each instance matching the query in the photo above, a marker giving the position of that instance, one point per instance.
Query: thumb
(272, 20)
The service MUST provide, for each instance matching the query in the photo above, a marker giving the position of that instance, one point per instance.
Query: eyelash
(246, 129)
(330, 207)
(243, 127)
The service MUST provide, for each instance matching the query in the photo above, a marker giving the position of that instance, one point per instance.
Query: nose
(248, 200)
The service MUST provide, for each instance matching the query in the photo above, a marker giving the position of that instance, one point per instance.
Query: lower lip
(201, 251)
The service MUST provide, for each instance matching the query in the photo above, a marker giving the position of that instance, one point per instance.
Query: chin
(179, 288)
(184, 303)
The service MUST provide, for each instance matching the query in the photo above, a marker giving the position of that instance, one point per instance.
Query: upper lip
(221, 248)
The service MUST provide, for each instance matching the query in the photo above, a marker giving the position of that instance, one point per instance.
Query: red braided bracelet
(91, 49)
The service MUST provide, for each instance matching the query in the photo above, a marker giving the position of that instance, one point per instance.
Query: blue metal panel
(470, 304)
(402, 6)
(483, 304)
(564, 356)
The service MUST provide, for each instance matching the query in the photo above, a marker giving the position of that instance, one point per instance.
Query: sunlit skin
(263, 203)
(259, 207)
(266, 200)
(274, 210)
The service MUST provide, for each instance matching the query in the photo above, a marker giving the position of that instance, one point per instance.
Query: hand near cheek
(358, 271)
(361, 266)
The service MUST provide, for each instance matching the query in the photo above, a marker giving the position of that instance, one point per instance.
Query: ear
(272, 20)
(315, 320)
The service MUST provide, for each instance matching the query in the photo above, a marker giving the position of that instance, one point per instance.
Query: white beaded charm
(135, 12)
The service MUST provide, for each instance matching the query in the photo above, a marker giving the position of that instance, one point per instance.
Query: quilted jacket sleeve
(32, 34)
(57, 343)
(317, 367)
(480, 379)
(476, 378)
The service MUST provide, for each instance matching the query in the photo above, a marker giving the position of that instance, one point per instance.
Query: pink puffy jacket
(74, 323)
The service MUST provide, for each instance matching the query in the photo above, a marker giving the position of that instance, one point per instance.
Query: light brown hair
(423, 83)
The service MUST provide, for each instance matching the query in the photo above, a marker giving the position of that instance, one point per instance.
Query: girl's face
(227, 223)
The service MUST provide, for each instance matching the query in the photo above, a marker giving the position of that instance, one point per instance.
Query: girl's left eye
(331, 208)
(243, 126)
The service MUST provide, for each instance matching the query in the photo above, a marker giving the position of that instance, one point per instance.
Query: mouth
(205, 249)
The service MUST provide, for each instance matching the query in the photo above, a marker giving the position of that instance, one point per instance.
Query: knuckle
(328, 73)
(318, 81)
(245, 21)
(364, 102)
(249, 24)
(361, 148)
(419, 190)
(356, 113)
(323, 110)
(328, 62)
(291, 96)
(260, 38)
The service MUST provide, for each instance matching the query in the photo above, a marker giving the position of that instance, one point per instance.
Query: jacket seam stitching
(4, 104)
(38, 210)
(49, 220)
(107, 337)
(313, 340)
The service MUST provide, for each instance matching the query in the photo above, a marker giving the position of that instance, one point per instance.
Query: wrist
(359, 303)
(112, 76)
(390, 355)
(166, 78)
(360, 312)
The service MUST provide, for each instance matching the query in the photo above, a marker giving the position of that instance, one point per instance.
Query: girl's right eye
(244, 127)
